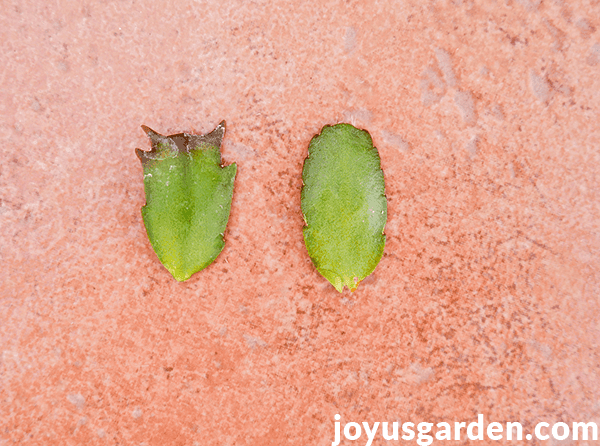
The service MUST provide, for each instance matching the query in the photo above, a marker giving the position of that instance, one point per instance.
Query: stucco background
(486, 301)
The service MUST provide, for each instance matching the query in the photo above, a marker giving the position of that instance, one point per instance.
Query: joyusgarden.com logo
(424, 433)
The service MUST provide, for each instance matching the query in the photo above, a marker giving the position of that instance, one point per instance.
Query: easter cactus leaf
(188, 199)
(344, 205)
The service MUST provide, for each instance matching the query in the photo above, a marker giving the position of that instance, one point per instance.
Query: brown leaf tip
(178, 142)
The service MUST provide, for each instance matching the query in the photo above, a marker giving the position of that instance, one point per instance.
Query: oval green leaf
(188, 199)
(344, 205)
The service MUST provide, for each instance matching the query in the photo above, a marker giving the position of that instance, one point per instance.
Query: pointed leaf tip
(151, 133)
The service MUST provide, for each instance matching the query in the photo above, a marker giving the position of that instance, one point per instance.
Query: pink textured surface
(487, 298)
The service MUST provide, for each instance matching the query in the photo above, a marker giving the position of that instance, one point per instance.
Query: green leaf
(344, 205)
(188, 199)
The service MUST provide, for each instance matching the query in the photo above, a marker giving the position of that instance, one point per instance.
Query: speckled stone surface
(485, 114)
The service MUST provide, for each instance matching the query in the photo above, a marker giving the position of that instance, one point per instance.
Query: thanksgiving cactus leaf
(344, 205)
(188, 199)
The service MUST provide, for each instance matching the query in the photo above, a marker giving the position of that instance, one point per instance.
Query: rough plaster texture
(486, 301)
